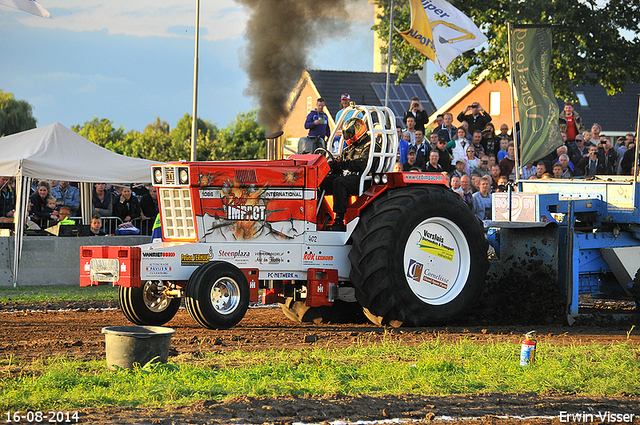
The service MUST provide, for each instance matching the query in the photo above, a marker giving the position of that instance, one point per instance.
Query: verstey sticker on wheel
(419, 256)
(437, 260)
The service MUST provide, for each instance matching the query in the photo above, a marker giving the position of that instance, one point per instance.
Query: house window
(309, 104)
(494, 103)
(582, 99)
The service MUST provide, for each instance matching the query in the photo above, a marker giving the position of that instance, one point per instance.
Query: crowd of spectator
(478, 160)
(53, 202)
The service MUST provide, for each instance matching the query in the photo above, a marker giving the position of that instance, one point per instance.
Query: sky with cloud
(132, 61)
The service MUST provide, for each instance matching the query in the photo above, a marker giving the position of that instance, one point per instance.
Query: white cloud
(219, 19)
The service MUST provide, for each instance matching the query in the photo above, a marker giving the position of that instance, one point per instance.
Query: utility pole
(194, 123)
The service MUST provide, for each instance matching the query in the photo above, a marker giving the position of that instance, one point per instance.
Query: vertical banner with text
(537, 108)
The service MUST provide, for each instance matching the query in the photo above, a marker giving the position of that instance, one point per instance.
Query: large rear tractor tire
(339, 312)
(147, 305)
(217, 295)
(419, 257)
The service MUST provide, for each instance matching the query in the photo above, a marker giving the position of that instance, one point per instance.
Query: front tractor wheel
(217, 295)
(148, 305)
(419, 257)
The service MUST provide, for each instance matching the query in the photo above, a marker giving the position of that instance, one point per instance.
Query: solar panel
(379, 90)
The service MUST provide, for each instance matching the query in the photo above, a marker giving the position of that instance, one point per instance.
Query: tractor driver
(346, 169)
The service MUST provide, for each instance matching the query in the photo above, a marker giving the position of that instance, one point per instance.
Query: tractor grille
(169, 175)
(177, 213)
(246, 176)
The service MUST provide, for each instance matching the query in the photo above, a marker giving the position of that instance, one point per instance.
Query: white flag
(453, 31)
(30, 6)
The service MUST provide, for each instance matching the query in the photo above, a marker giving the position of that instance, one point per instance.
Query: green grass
(57, 293)
(432, 369)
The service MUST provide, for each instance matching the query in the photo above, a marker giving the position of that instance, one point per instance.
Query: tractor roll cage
(380, 121)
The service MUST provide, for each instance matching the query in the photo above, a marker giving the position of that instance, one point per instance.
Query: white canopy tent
(54, 152)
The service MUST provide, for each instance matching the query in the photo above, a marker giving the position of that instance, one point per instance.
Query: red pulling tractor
(412, 253)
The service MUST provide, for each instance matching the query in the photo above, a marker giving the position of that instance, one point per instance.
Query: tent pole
(22, 200)
(86, 207)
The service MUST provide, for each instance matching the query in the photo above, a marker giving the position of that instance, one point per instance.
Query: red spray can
(528, 349)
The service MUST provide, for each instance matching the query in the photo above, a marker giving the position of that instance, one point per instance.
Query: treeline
(243, 138)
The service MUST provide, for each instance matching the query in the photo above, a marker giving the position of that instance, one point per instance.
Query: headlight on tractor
(380, 179)
(157, 175)
(183, 175)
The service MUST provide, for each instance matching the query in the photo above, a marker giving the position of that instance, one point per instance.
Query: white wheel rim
(225, 295)
(154, 301)
(437, 261)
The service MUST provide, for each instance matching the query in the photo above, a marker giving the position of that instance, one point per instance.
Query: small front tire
(217, 295)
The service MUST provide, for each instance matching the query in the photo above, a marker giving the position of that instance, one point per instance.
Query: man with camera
(477, 119)
(317, 123)
(608, 154)
(419, 114)
(592, 164)
(483, 167)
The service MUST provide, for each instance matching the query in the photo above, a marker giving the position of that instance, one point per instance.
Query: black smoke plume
(281, 34)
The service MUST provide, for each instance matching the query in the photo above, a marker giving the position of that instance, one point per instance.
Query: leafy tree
(102, 133)
(154, 145)
(158, 126)
(588, 42)
(244, 138)
(181, 138)
(15, 115)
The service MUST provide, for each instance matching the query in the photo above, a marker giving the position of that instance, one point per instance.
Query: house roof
(618, 113)
(367, 88)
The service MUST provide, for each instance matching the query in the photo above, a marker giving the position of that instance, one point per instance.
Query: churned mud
(32, 331)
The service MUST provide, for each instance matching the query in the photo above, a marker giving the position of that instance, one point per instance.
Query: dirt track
(32, 334)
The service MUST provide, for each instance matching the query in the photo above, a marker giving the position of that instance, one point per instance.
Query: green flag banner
(537, 108)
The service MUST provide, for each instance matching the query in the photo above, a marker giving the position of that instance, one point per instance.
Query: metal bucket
(127, 346)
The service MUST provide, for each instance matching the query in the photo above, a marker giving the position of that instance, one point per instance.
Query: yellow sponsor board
(190, 259)
(436, 249)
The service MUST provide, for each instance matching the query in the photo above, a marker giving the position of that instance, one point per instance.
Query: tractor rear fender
(394, 180)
